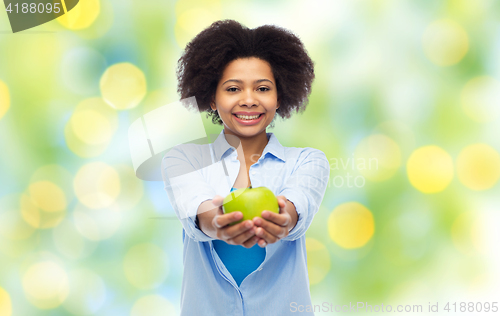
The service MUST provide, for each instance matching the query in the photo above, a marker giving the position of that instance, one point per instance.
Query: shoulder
(185, 150)
(301, 155)
(194, 154)
(294, 155)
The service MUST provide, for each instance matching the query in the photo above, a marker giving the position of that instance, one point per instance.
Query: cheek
(225, 116)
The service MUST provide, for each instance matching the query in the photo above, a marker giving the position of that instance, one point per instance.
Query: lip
(247, 113)
(248, 122)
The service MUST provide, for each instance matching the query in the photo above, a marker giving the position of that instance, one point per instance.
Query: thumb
(217, 200)
(281, 201)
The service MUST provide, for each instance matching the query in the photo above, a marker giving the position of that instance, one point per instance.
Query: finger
(281, 201)
(220, 221)
(262, 243)
(232, 231)
(251, 242)
(243, 237)
(270, 227)
(264, 234)
(282, 219)
(217, 200)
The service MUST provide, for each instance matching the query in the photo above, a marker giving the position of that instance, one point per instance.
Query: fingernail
(248, 224)
(264, 244)
(265, 214)
(238, 215)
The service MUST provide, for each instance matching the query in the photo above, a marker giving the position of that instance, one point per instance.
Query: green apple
(251, 202)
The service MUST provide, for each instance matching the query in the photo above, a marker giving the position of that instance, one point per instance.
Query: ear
(212, 104)
(278, 104)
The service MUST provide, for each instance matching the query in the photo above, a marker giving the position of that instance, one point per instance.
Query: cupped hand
(239, 234)
(273, 227)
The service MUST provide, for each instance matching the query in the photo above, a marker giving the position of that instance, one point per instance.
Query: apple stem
(250, 187)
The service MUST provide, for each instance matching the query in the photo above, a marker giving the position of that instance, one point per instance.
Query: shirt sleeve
(305, 188)
(186, 189)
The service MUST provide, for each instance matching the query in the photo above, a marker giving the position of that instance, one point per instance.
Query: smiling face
(246, 97)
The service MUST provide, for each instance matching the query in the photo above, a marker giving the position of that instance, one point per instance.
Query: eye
(264, 89)
(231, 89)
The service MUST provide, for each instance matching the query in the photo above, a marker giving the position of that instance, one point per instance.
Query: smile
(248, 119)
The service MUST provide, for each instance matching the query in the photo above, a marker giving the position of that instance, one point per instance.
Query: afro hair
(202, 64)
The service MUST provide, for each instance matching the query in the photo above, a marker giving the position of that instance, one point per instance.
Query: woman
(243, 77)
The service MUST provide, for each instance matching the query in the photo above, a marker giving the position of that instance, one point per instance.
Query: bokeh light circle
(351, 225)
(480, 99)
(153, 305)
(70, 242)
(192, 17)
(47, 196)
(81, 16)
(12, 224)
(131, 188)
(430, 169)
(97, 224)
(378, 157)
(81, 148)
(5, 303)
(123, 86)
(38, 218)
(44, 204)
(318, 260)
(46, 284)
(97, 185)
(466, 233)
(398, 131)
(146, 266)
(87, 293)
(91, 127)
(445, 42)
(58, 176)
(4, 99)
(478, 166)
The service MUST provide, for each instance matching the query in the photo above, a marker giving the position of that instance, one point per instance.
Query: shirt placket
(226, 275)
(233, 166)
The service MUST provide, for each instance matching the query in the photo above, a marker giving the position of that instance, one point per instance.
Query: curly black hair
(201, 66)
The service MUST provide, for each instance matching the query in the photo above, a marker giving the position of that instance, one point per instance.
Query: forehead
(249, 68)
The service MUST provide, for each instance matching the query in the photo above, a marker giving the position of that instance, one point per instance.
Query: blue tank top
(239, 261)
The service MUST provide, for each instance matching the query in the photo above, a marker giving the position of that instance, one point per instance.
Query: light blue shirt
(196, 173)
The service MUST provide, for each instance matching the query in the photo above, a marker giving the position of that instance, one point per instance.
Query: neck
(249, 147)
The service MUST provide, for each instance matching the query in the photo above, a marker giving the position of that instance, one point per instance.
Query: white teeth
(245, 117)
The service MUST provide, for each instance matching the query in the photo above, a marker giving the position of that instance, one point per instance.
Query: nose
(248, 98)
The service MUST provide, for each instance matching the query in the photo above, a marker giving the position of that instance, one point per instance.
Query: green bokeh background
(374, 75)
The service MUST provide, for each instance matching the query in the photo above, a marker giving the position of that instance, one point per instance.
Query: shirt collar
(273, 147)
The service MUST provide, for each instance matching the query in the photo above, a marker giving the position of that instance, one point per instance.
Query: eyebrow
(239, 81)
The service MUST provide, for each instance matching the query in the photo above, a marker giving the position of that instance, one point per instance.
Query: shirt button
(260, 269)
(253, 172)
